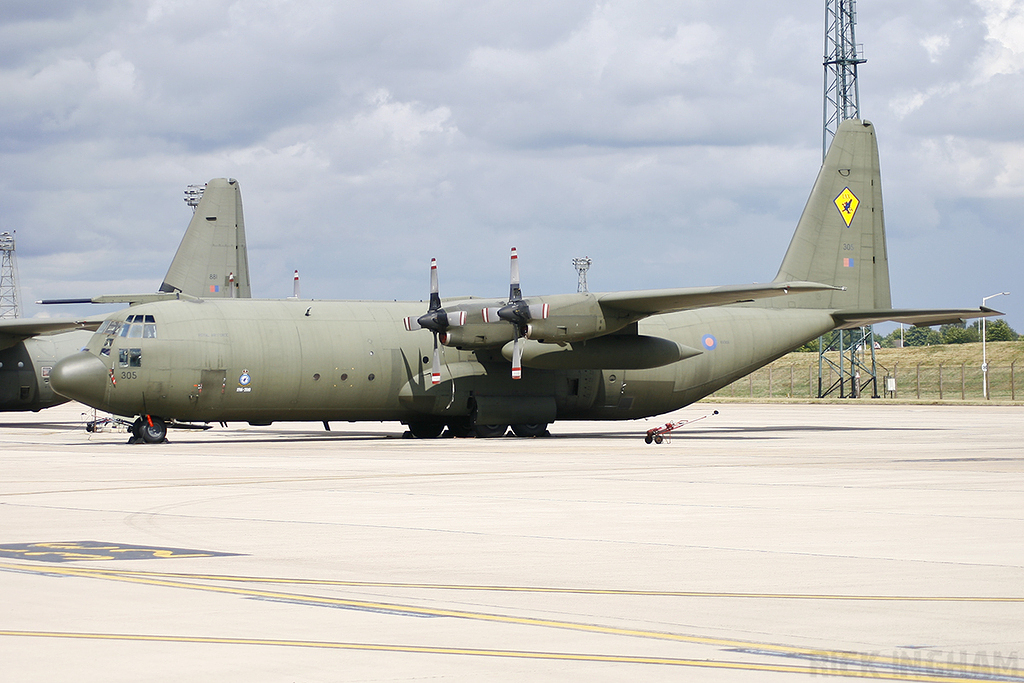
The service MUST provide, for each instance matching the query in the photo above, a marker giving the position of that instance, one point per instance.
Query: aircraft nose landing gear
(148, 429)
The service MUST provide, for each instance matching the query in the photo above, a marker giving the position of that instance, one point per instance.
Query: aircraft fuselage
(264, 361)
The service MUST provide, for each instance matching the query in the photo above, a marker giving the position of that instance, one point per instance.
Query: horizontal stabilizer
(130, 299)
(920, 317)
(655, 301)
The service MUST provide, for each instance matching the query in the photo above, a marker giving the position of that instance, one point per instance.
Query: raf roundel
(708, 342)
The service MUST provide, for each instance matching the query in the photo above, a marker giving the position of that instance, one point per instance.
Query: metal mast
(8, 278)
(842, 55)
(842, 102)
(193, 193)
(582, 265)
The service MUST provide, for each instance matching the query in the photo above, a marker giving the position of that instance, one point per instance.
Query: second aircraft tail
(212, 261)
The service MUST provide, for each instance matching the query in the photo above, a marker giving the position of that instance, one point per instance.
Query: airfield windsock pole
(295, 286)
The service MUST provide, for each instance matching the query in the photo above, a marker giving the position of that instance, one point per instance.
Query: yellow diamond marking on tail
(847, 204)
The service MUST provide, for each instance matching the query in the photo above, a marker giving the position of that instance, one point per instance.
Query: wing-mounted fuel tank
(625, 352)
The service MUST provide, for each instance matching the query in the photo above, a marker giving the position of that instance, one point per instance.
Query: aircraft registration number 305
(129, 374)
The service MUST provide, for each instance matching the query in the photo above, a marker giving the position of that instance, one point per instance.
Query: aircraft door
(612, 385)
(211, 389)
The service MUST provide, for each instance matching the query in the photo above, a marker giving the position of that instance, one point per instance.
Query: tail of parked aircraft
(840, 239)
(212, 261)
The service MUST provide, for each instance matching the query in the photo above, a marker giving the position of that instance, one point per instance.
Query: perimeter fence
(919, 381)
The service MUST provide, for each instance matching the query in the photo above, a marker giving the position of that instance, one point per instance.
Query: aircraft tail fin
(212, 261)
(840, 239)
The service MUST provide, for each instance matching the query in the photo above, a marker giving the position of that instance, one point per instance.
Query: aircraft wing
(14, 330)
(920, 317)
(655, 301)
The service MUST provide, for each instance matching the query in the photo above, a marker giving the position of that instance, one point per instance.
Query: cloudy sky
(674, 143)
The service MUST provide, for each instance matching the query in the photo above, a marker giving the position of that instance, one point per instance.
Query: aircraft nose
(81, 377)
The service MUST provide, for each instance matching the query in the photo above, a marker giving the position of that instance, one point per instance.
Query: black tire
(658, 438)
(489, 431)
(460, 429)
(528, 430)
(153, 429)
(648, 439)
(426, 430)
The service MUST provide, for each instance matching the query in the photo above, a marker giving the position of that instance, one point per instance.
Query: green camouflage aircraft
(478, 365)
(211, 262)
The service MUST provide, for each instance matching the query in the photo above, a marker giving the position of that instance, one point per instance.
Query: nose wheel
(148, 429)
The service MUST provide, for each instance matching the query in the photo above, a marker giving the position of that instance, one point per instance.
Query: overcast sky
(674, 143)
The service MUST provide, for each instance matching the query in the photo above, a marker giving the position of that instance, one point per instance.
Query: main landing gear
(463, 428)
(148, 429)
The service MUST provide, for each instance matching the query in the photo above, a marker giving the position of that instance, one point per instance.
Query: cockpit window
(130, 358)
(135, 327)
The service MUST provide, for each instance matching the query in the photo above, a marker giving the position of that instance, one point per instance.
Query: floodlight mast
(582, 265)
(9, 307)
(984, 352)
(193, 193)
(842, 55)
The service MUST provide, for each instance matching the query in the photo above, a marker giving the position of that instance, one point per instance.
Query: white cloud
(674, 143)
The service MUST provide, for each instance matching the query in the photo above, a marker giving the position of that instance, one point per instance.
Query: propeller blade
(517, 357)
(412, 324)
(491, 314)
(538, 311)
(435, 371)
(514, 292)
(435, 297)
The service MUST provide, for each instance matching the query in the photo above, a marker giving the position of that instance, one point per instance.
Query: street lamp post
(984, 355)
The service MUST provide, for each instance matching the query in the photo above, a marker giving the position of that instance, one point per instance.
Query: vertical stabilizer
(840, 239)
(211, 261)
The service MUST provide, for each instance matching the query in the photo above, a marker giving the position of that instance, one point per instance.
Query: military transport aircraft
(478, 365)
(211, 262)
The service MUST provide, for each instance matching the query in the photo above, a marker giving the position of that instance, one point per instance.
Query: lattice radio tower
(8, 278)
(193, 193)
(842, 55)
(855, 370)
(582, 265)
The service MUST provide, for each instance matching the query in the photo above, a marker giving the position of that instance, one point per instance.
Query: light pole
(984, 356)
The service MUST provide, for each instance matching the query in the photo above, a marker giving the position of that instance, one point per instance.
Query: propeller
(437, 320)
(518, 312)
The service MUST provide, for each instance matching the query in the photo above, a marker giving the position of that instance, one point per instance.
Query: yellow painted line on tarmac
(541, 589)
(833, 657)
(824, 669)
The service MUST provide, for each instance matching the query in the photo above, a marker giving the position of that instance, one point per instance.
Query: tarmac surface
(769, 542)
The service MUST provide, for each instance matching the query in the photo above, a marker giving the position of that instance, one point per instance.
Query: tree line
(959, 333)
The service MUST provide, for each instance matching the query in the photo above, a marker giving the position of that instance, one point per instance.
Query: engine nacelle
(570, 317)
(477, 335)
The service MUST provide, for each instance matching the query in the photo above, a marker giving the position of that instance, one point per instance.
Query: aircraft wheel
(539, 429)
(658, 438)
(460, 429)
(426, 430)
(155, 432)
(490, 431)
